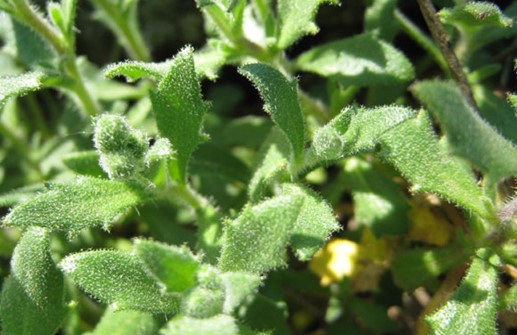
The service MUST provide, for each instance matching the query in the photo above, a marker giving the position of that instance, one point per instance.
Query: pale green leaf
(509, 299)
(414, 150)
(134, 70)
(73, 206)
(314, 223)
(217, 325)
(280, 101)
(469, 135)
(357, 129)
(238, 287)
(256, 240)
(380, 19)
(474, 14)
(472, 309)
(32, 300)
(85, 163)
(513, 100)
(416, 267)
(297, 19)
(203, 302)
(179, 109)
(175, 267)
(117, 278)
(13, 86)
(69, 12)
(126, 322)
(361, 60)
(16, 196)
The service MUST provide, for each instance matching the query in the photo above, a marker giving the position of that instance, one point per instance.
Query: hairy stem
(442, 40)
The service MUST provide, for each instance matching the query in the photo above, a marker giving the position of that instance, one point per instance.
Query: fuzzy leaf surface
(238, 286)
(84, 163)
(12, 86)
(361, 60)
(179, 109)
(469, 135)
(297, 19)
(357, 129)
(173, 266)
(32, 296)
(71, 207)
(126, 322)
(414, 150)
(474, 14)
(117, 278)
(476, 296)
(280, 101)
(216, 325)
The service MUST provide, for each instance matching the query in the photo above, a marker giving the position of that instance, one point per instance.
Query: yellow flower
(335, 261)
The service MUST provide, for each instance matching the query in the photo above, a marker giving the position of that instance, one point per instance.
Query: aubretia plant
(375, 194)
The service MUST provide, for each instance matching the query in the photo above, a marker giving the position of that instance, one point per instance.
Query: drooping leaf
(356, 130)
(415, 267)
(468, 134)
(175, 267)
(73, 206)
(216, 325)
(256, 240)
(238, 287)
(297, 19)
(378, 202)
(117, 278)
(12, 86)
(314, 223)
(179, 109)
(474, 14)
(280, 101)
(414, 150)
(361, 60)
(126, 322)
(32, 300)
(476, 296)
(133, 70)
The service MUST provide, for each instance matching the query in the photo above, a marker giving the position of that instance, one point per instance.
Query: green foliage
(323, 216)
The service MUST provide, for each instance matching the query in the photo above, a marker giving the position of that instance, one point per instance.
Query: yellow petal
(335, 261)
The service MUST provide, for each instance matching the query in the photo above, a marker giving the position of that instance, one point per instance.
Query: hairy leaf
(175, 267)
(117, 278)
(85, 163)
(71, 207)
(179, 109)
(217, 325)
(380, 19)
(126, 322)
(476, 296)
(469, 135)
(357, 129)
(361, 60)
(238, 287)
(32, 296)
(473, 14)
(297, 19)
(280, 101)
(13, 86)
(414, 150)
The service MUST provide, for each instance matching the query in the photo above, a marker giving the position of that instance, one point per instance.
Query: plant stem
(441, 38)
(89, 105)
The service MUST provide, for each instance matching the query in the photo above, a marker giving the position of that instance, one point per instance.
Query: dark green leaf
(280, 101)
(469, 135)
(32, 297)
(85, 163)
(472, 309)
(71, 207)
(117, 278)
(126, 322)
(175, 267)
(179, 109)
(380, 19)
(361, 60)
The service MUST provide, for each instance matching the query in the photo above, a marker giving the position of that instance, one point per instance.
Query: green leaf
(256, 240)
(179, 109)
(414, 150)
(16, 196)
(361, 60)
(513, 100)
(175, 267)
(280, 101)
(469, 135)
(476, 296)
(13, 86)
(378, 201)
(416, 267)
(380, 19)
(272, 165)
(126, 322)
(217, 325)
(297, 19)
(74, 206)
(509, 299)
(357, 129)
(133, 70)
(32, 296)
(85, 163)
(474, 14)
(117, 278)
(314, 223)
(238, 287)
